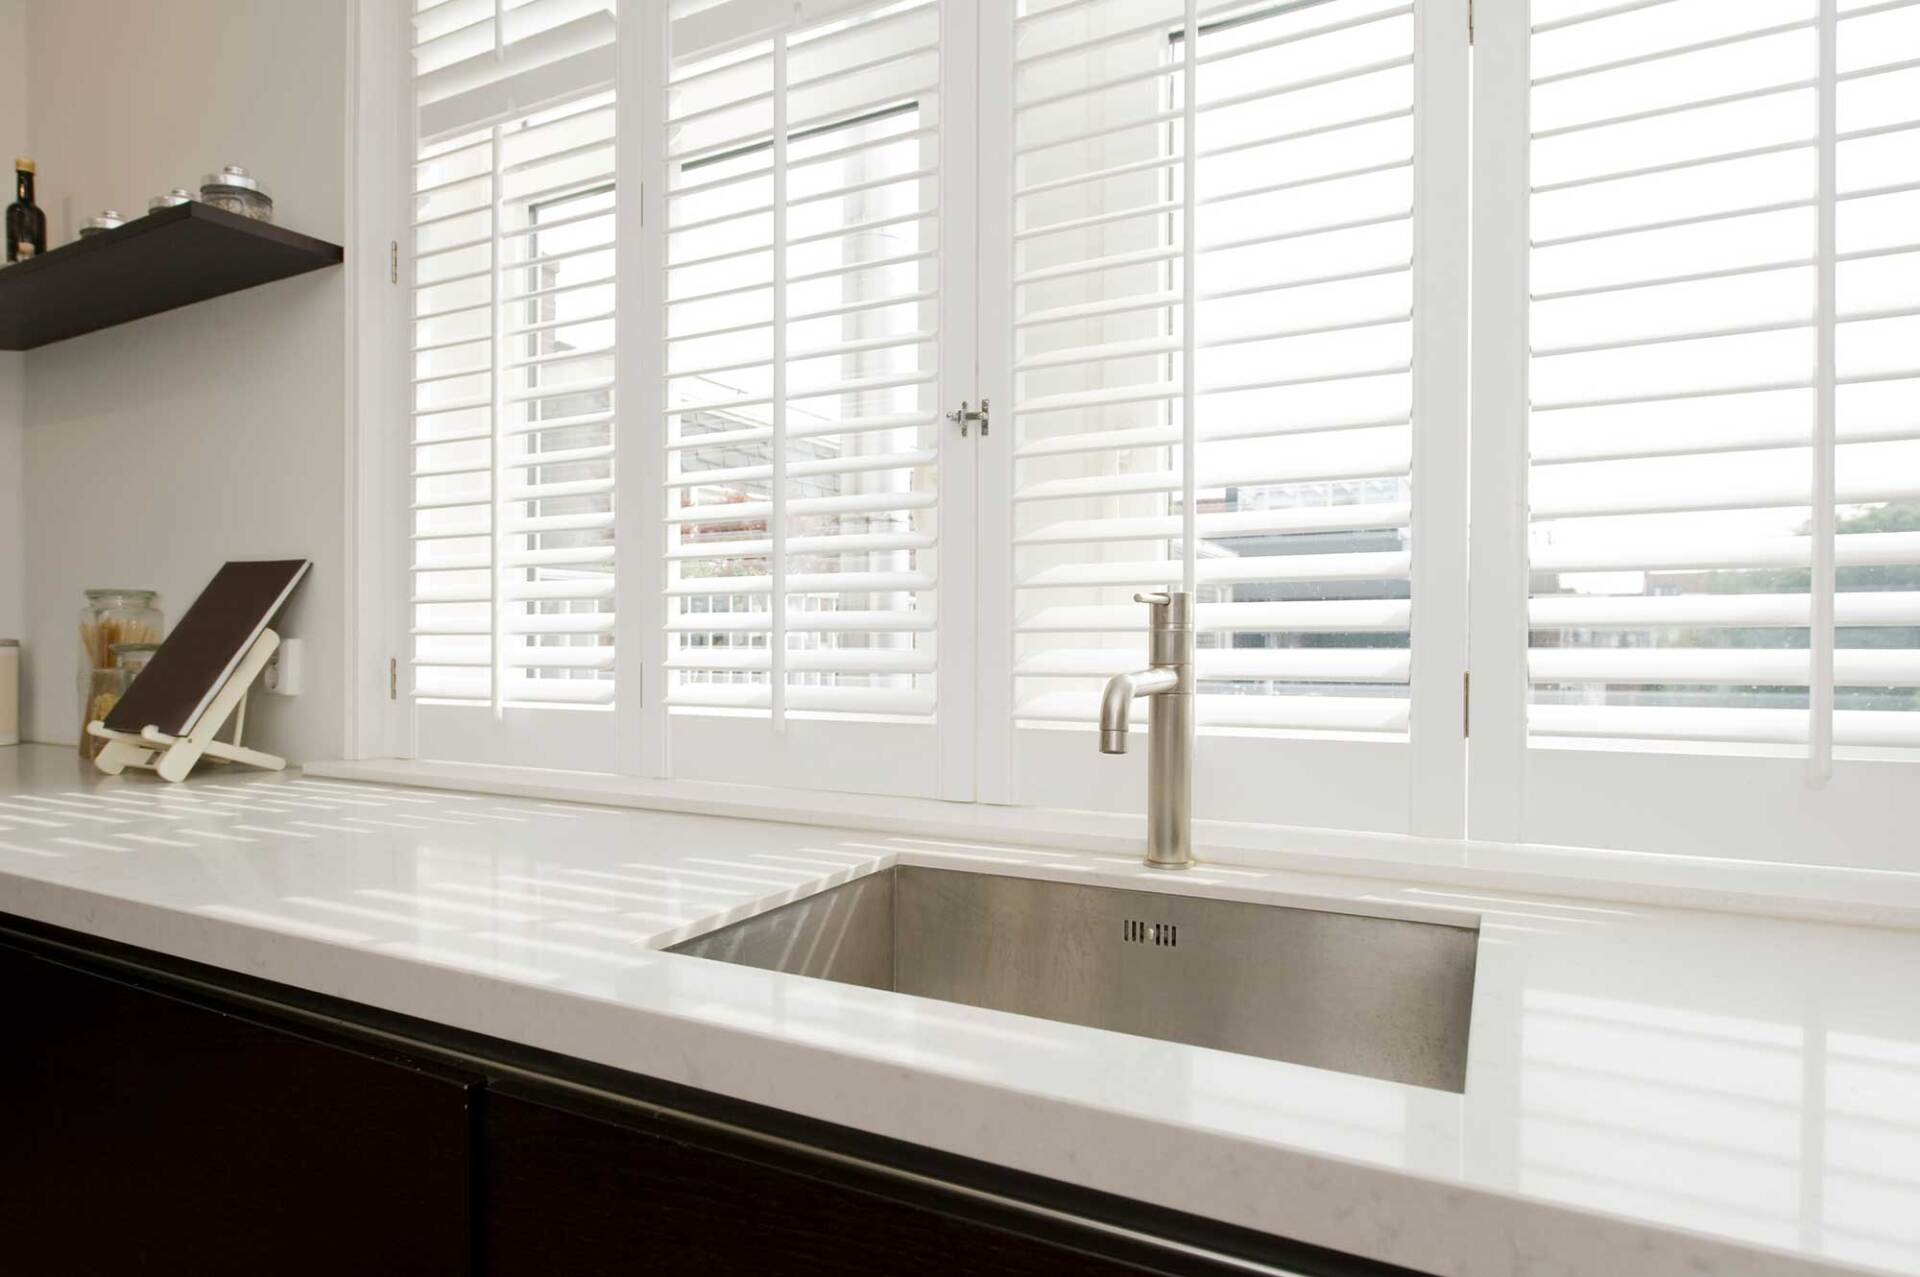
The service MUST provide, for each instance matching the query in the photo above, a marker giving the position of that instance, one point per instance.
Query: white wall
(156, 450)
(13, 141)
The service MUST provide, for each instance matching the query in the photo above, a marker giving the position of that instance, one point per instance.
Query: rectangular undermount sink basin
(1381, 997)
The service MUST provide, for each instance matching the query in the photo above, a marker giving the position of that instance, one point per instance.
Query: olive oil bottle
(26, 224)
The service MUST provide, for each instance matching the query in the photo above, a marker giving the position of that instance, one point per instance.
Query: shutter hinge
(393, 678)
(1466, 704)
(393, 261)
(964, 418)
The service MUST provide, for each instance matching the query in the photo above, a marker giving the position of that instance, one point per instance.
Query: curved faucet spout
(1170, 757)
(1116, 705)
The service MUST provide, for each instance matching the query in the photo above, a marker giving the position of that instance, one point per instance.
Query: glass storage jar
(109, 219)
(104, 688)
(235, 190)
(108, 618)
(133, 657)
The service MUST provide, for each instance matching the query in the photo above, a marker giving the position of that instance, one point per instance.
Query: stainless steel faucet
(1170, 750)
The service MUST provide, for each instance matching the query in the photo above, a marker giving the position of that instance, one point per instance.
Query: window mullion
(496, 544)
(639, 293)
(1189, 259)
(995, 316)
(1497, 601)
(1440, 446)
(777, 447)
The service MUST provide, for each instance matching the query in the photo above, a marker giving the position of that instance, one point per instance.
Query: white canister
(9, 691)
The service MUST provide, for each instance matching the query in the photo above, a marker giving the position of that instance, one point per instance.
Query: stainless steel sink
(1381, 997)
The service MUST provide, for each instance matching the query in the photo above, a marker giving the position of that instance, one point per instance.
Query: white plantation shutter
(513, 339)
(1725, 371)
(1209, 259)
(1213, 371)
(805, 278)
(1697, 486)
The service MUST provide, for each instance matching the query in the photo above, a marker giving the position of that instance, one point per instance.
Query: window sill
(1810, 892)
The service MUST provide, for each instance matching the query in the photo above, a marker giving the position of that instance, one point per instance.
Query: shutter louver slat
(1698, 460)
(1298, 665)
(513, 347)
(1310, 713)
(1342, 518)
(1313, 616)
(1875, 668)
(1733, 726)
(1295, 364)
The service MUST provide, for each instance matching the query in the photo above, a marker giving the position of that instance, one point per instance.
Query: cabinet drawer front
(572, 1194)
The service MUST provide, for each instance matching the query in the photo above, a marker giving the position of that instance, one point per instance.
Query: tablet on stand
(199, 678)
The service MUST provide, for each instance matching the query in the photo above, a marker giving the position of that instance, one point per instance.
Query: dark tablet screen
(183, 676)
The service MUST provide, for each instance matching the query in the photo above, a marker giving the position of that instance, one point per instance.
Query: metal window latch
(964, 418)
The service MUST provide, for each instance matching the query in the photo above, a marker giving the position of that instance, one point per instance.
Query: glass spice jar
(110, 618)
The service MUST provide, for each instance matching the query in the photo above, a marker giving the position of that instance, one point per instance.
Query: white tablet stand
(174, 756)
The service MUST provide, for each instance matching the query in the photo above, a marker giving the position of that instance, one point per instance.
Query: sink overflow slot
(1163, 935)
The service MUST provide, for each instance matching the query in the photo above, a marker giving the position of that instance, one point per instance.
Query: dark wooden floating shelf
(171, 257)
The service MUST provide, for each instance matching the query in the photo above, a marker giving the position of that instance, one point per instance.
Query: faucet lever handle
(1157, 600)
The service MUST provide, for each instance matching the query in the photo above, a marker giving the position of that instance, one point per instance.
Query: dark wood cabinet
(161, 1118)
(141, 1134)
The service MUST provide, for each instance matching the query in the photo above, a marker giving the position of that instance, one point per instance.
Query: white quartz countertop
(1649, 1091)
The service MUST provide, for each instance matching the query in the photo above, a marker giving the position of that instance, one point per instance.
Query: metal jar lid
(178, 195)
(107, 220)
(232, 175)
